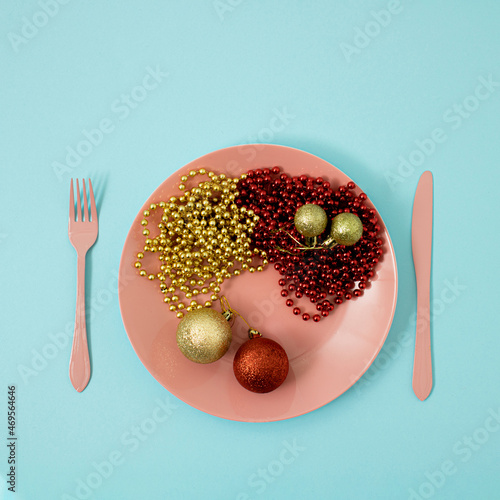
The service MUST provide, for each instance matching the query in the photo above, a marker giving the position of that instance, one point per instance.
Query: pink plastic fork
(82, 235)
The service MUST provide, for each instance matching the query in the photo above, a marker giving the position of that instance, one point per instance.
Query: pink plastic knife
(421, 244)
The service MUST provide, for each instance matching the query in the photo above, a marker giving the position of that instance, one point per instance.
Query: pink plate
(326, 358)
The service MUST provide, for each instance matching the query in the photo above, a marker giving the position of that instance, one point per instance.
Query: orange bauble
(260, 365)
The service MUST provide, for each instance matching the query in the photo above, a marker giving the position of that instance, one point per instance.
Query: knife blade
(421, 244)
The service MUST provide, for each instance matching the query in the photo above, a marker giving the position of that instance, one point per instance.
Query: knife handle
(422, 255)
(422, 363)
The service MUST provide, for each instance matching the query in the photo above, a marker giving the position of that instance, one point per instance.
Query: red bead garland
(340, 273)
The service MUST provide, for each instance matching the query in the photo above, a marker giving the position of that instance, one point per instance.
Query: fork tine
(93, 210)
(71, 203)
(85, 204)
(78, 203)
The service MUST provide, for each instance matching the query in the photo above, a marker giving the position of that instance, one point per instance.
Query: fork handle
(79, 365)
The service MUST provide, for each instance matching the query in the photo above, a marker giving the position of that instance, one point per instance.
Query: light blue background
(231, 65)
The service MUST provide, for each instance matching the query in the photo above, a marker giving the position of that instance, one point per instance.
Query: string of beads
(326, 276)
(204, 238)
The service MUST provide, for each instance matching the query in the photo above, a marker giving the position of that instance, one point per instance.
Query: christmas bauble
(310, 220)
(346, 229)
(204, 335)
(260, 365)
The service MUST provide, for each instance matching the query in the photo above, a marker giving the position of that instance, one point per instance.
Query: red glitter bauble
(260, 365)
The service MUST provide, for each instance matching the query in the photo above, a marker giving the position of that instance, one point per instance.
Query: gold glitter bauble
(346, 229)
(310, 220)
(204, 335)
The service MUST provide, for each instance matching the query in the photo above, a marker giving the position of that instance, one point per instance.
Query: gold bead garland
(204, 239)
